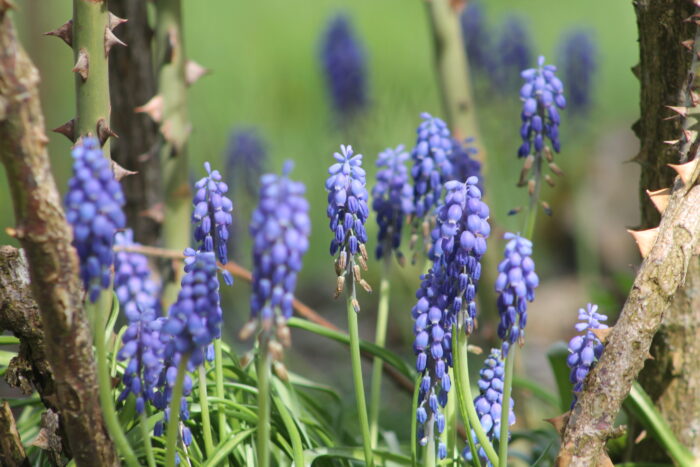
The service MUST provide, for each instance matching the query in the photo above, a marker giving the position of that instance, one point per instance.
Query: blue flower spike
(348, 213)
(585, 349)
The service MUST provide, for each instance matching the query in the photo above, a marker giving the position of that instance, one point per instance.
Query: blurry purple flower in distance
(578, 60)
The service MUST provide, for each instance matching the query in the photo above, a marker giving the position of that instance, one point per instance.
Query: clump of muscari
(280, 228)
(542, 96)
(577, 57)
(212, 217)
(585, 349)
(476, 36)
(135, 288)
(446, 297)
(514, 52)
(392, 200)
(348, 212)
(464, 162)
(94, 209)
(489, 403)
(344, 65)
(515, 285)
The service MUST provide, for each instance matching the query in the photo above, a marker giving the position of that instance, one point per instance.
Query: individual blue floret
(392, 200)
(542, 96)
(585, 350)
(94, 209)
(489, 403)
(345, 67)
(515, 285)
(212, 216)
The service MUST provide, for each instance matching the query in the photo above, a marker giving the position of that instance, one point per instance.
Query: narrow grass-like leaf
(354, 453)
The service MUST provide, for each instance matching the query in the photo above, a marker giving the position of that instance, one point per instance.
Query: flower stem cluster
(280, 228)
(348, 212)
(585, 349)
(212, 216)
(489, 402)
(392, 200)
(515, 285)
(446, 296)
(94, 209)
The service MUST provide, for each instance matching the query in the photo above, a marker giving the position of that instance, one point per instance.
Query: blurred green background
(264, 58)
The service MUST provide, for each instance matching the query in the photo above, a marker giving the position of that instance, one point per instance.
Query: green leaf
(292, 431)
(354, 453)
(557, 355)
(537, 390)
(9, 340)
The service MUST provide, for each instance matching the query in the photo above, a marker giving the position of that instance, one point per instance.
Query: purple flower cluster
(475, 35)
(446, 295)
(194, 321)
(344, 65)
(431, 164)
(515, 285)
(133, 284)
(392, 199)
(585, 349)
(280, 228)
(542, 94)
(577, 57)
(464, 162)
(161, 400)
(514, 52)
(489, 402)
(245, 159)
(348, 212)
(94, 208)
(212, 214)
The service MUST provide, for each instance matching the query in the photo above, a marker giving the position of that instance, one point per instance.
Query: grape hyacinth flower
(585, 350)
(431, 164)
(392, 200)
(194, 320)
(344, 65)
(514, 52)
(162, 397)
(489, 403)
(577, 57)
(94, 209)
(212, 214)
(446, 297)
(246, 155)
(280, 228)
(464, 162)
(135, 289)
(476, 39)
(542, 96)
(348, 212)
(515, 285)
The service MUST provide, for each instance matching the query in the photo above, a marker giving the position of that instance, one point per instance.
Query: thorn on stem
(82, 65)
(115, 21)
(67, 130)
(120, 172)
(194, 71)
(64, 32)
(111, 40)
(686, 170)
(153, 108)
(104, 131)
(645, 239)
(660, 198)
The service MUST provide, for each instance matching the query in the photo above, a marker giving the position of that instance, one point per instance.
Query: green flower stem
(414, 422)
(105, 382)
(357, 373)
(174, 420)
(450, 433)
(505, 406)
(145, 433)
(219, 375)
(529, 228)
(429, 450)
(264, 362)
(204, 404)
(379, 340)
(464, 392)
(90, 22)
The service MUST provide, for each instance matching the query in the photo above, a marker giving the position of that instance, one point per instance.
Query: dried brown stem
(46, 237)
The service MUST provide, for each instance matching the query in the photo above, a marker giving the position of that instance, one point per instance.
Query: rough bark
(132, 82)
(11, 450)
(46, 237)
(672, 377)
(660, 276)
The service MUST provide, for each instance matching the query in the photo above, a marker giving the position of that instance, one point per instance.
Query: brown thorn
(120, 172)
(115, 20)
(154, 108)
(602, 334)
(645, 239)
(559, 422)
(688, 44)
(194, 71)
(156, 213)
(82, 65)
(660, 198)
(686, 170)
(67, 130)
(104, 131)
(111, 40)
(64, 32)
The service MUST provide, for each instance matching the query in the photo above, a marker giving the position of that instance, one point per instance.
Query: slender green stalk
(357, 373)
(264, 362)
(379, 340)
(414, 422)
(219, 375)
(204, 404)
(464, 392)
(529, 228)
(174, 419)
(105, 382)
(146, 435)
(505, 406)
(450, 433)
(429, 451)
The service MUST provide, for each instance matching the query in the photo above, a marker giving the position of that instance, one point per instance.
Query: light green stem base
(146, 434)
(380, 340)
(219, 374)
(263, 369)
(174, 420)
(204, 404)
(505, 406)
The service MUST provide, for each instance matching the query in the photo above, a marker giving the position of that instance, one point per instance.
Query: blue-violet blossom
(514, 52)
(94, 208)
(464, 162)
(577, 57)
(515, 285)
(585, 349)
(542, 96)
